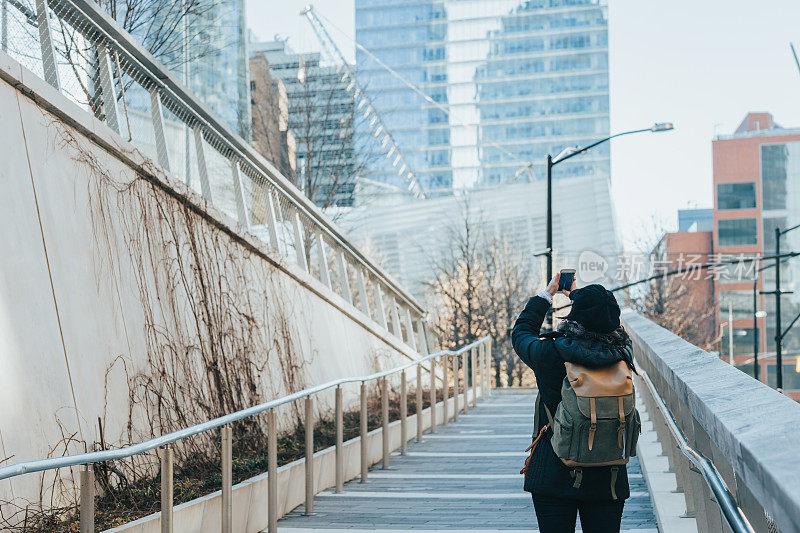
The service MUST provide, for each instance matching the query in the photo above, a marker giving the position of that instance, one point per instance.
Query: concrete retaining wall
(129, 303)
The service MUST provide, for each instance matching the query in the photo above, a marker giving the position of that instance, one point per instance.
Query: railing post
(484, 371)
(385, 421)
(475, 373)
(87, 499)
(362, 292)
(478, 366)
(489, 365)
(299, 245)
(344, 279)
(398, 332)
(381, 307)
(363, 433)
(403, 413)
(339, 441)
(238, 193)
(445, 390)
(49, 64)
(455, 388)
(106, 74)
(324, 271)
(412, 339)
(419, 403)
(159, 132)
(272, 222)
(227, 479)
(202, 167)
(272, 469)
(465, 382)
(309, 463)
(423, 338)
(433, 395)
(166, 489)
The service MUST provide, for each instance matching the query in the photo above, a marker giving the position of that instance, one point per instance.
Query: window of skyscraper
(736, 195)
(737, 232)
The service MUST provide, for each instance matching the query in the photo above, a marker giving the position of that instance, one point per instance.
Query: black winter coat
(546, 474)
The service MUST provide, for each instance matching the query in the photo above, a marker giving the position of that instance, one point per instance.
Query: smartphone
(566, 279)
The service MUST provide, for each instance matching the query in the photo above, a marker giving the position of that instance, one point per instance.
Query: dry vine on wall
(218, 322)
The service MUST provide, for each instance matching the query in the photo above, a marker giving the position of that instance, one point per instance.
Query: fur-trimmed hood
(576, 344)
(570, 328)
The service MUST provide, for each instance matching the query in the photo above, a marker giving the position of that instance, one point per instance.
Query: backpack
(596, 422)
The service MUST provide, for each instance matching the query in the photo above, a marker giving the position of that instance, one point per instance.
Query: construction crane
(364, 102)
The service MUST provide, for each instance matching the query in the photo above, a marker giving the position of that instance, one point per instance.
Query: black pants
(557, 515)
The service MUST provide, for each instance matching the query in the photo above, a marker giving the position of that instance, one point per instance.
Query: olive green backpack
(596, 422)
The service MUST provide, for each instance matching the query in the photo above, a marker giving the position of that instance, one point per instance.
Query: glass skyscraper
(517, 80)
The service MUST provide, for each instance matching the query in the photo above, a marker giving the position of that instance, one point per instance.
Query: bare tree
(479, 283)
(683, 303)
(459, 280)
(675, 304)
(508, 281)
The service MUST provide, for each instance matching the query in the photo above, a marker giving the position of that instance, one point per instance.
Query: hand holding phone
(565, 279)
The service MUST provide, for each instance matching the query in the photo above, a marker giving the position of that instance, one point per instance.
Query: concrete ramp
(464, 477)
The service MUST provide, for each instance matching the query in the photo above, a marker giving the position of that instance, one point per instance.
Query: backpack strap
(621, 429)
(577, 475)
(536, 412)
(614, 470)
(593, 425)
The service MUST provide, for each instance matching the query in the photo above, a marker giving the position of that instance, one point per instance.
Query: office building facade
(321, 116)
(517, 80)
(411, 236)
(756, 189)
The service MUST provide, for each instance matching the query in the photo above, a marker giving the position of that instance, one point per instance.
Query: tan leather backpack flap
(614, 380)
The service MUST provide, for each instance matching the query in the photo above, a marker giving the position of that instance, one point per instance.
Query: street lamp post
(560, 158)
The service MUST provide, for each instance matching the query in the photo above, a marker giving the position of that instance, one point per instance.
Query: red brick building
(756, 170)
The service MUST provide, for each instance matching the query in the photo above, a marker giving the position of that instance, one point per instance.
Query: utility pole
(755, 328)
(778, 327)
(730, 331)
(779, 333)
(549, 236)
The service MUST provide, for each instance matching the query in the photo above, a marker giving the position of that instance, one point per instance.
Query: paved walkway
(464, 477)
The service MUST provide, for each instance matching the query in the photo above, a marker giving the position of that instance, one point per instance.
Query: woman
(590, 336)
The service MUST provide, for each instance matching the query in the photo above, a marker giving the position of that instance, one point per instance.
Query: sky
(701, 64)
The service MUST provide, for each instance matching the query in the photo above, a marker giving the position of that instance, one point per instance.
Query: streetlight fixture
(563, 156)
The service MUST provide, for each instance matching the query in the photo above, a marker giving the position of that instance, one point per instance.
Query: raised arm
(525, 335)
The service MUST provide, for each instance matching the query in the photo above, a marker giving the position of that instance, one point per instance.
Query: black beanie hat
(595, 308)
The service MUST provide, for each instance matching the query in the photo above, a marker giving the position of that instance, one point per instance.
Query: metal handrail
(136, 449)
(725, 500)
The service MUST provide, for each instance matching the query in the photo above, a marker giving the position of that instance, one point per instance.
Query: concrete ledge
(754, 429)
(203, 515)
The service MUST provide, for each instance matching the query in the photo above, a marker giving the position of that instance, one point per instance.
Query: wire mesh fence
(78, 49)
